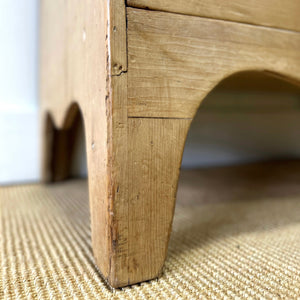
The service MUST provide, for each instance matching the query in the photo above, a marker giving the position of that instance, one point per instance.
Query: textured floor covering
(236, 235)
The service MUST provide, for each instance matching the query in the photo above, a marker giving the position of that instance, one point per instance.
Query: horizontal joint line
(211, 18)
(135, 117)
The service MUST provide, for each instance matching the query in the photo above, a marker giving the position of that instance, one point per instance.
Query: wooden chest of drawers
(137, 73)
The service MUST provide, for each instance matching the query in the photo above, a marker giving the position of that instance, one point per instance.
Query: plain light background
(19, 150)
(231, 128)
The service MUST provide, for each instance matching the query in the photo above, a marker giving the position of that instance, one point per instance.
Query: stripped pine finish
(137, 77)
(271, 13)
(185, 64)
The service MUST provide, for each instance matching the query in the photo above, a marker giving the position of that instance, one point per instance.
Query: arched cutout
(150, 171)
(257, 184)
(247, 85)
(256, 104)
(264, 81)
(136, 122)
(250, 79)
(60, 144)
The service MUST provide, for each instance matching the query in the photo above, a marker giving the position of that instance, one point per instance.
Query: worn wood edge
(116, 94)
(112, 16)
(117, 144)
(189, 9)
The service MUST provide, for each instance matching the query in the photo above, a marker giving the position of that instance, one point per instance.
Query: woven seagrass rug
(236, 235)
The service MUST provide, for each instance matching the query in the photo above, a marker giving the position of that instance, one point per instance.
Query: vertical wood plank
(155, 149)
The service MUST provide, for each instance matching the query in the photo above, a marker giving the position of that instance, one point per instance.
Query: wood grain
(155, 150)
(137, 104)
(272, 13)
(76, 70)
(188, 56)
(118, 37)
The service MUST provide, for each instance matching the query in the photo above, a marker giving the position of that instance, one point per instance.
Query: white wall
(18, 91)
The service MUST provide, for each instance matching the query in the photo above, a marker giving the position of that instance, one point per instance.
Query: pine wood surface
(78, 62)
(188, 56)
(271, 13)
(137, 87)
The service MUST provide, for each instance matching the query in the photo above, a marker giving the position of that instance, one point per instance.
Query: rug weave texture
(241, 242)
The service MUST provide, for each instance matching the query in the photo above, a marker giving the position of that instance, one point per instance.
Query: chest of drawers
(137, 72)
